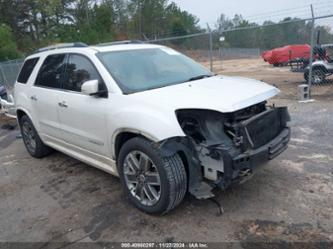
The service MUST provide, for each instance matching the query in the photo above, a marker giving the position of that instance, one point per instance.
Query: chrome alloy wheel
(142, 178)
(317, 79)
(29, 136)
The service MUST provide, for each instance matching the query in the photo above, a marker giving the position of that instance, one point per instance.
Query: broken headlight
(204, 126)
(190, 122)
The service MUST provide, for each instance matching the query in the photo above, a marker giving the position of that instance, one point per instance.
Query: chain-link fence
(195, 46)
(319, 75)
(277, 53)
(8, 73)
(270, 54)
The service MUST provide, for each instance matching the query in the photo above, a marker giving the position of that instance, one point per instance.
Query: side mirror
(90, 87)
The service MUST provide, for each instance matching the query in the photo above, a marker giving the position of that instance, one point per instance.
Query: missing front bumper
(252, 158)
(220, 149)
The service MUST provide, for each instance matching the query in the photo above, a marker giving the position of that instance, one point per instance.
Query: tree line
(268, 35)
(30, 24)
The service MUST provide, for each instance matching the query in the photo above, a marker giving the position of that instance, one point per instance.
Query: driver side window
(79, 69)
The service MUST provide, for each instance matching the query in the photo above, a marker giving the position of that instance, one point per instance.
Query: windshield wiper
(200, 77)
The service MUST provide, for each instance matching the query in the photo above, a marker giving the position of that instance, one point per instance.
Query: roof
(124, 47)
(81, 47)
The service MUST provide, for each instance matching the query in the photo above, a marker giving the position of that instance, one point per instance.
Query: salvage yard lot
(281, 77)
(291, 198)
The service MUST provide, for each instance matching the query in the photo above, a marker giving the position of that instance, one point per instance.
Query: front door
(82, 117)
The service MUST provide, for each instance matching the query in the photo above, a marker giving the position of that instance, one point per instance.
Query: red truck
(284, 55)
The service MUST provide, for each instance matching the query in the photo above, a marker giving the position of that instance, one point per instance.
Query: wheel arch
(123, 135)
(317, 67)
(320, 67)
(20, 112)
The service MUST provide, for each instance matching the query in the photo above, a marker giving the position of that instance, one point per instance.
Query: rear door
(44, 95)
(83, 117)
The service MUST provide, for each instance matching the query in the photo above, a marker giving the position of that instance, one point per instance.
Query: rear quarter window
(26, 70)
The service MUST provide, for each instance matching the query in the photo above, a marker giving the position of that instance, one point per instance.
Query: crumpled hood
(219, 93)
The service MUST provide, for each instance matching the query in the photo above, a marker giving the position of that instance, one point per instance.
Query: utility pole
(311, 53)
(210, 47)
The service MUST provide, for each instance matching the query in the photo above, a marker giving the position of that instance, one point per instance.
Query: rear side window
(26, 70)
(50, 74)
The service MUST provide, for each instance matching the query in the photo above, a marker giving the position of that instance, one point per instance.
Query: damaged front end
(221, 148)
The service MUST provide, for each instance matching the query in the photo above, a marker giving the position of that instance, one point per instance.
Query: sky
(259, 10)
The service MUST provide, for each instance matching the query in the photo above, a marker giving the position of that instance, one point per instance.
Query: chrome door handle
(34, 98)
(63, 104)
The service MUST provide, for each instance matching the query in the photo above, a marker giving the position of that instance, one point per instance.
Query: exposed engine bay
(228, 146)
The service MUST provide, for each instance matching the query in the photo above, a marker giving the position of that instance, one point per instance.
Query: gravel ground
(60, 199)
(280, 77)
(290, 199)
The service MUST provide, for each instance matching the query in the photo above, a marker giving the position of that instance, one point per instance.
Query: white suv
(160, 121)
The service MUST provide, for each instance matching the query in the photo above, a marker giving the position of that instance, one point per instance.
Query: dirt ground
(280, 77)
(290, 199)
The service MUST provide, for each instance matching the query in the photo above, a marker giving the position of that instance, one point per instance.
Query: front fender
(152, 124)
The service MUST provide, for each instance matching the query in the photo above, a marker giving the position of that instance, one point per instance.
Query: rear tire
(31, 139)
(171, 173)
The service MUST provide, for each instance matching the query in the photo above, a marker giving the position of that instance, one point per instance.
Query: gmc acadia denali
(152, 116)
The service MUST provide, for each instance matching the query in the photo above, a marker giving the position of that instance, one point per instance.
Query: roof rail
(120, 43)
(62, 45)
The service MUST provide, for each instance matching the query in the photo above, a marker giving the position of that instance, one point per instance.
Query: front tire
(318, 76)
(31, 139)
(153, 183)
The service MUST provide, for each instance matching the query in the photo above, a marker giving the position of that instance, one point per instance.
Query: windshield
(144, 69)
